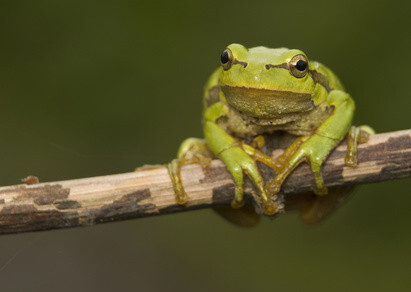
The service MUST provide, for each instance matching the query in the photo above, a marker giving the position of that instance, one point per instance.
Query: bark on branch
(148, 191)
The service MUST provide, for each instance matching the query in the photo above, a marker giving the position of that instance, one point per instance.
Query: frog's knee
(193, 146)
(367, 129)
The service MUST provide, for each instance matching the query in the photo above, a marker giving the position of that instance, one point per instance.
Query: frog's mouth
(266, 103)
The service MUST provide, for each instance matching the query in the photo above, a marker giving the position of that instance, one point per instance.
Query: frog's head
(266, 83)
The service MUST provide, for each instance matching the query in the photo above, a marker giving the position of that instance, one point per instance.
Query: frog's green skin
(258, 94)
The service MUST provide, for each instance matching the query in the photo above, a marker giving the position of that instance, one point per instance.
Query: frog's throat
(266, 103)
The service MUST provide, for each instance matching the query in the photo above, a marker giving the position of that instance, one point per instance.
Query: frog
(259, 91)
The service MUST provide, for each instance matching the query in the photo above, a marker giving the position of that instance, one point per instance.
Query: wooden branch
(148, 191)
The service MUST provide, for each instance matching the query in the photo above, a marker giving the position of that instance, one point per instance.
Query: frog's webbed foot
(192, 150)
(355, 136)
(313, 150)
(277, 164)
(238, 162)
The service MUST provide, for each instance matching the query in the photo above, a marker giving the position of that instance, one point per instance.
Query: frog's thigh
(355, 136)
(192, 150)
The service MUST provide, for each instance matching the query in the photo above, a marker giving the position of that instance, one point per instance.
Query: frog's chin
(267, 103)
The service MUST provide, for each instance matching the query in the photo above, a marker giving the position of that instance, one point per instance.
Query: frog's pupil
(301, 65)
(224, 57)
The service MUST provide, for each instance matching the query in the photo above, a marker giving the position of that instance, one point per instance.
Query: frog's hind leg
(192, 150)
(355, 136)
(283, 165)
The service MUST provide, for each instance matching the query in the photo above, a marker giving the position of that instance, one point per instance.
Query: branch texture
(148, 191)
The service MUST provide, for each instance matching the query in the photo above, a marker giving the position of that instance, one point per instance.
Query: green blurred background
(92, 88)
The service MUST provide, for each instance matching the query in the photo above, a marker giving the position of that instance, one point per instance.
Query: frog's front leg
(192, 150)
(315, 148)
(238, 162)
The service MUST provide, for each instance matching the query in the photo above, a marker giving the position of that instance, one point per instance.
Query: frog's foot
(174, 171)
(239, 162)
(355, 136)
(192, 150)
(313, 150)
(277, 164)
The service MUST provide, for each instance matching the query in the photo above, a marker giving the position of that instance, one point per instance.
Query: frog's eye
(226, 59)
(299, 66)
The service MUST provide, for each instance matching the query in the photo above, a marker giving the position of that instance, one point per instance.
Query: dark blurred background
(91, 88)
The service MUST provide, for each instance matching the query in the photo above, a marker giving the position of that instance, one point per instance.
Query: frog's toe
(181, 197)
(273, 186)
(192, 150)
(174, 172)
(314, 158)
(355, 136)
(236, 204)
(270, 208)
(238, 163)
(258, 142)
(320, 189)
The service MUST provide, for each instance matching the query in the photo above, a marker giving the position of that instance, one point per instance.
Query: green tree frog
(259, 91)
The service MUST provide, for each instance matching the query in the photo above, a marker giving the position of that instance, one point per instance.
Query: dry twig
(148, 191)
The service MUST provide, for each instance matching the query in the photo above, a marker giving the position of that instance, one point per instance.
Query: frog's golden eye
(226, 59)
(298, 66)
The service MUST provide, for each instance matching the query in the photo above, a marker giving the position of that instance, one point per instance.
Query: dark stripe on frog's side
(282, 66)
(244, 64)
(321, 79)
(213, 96)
